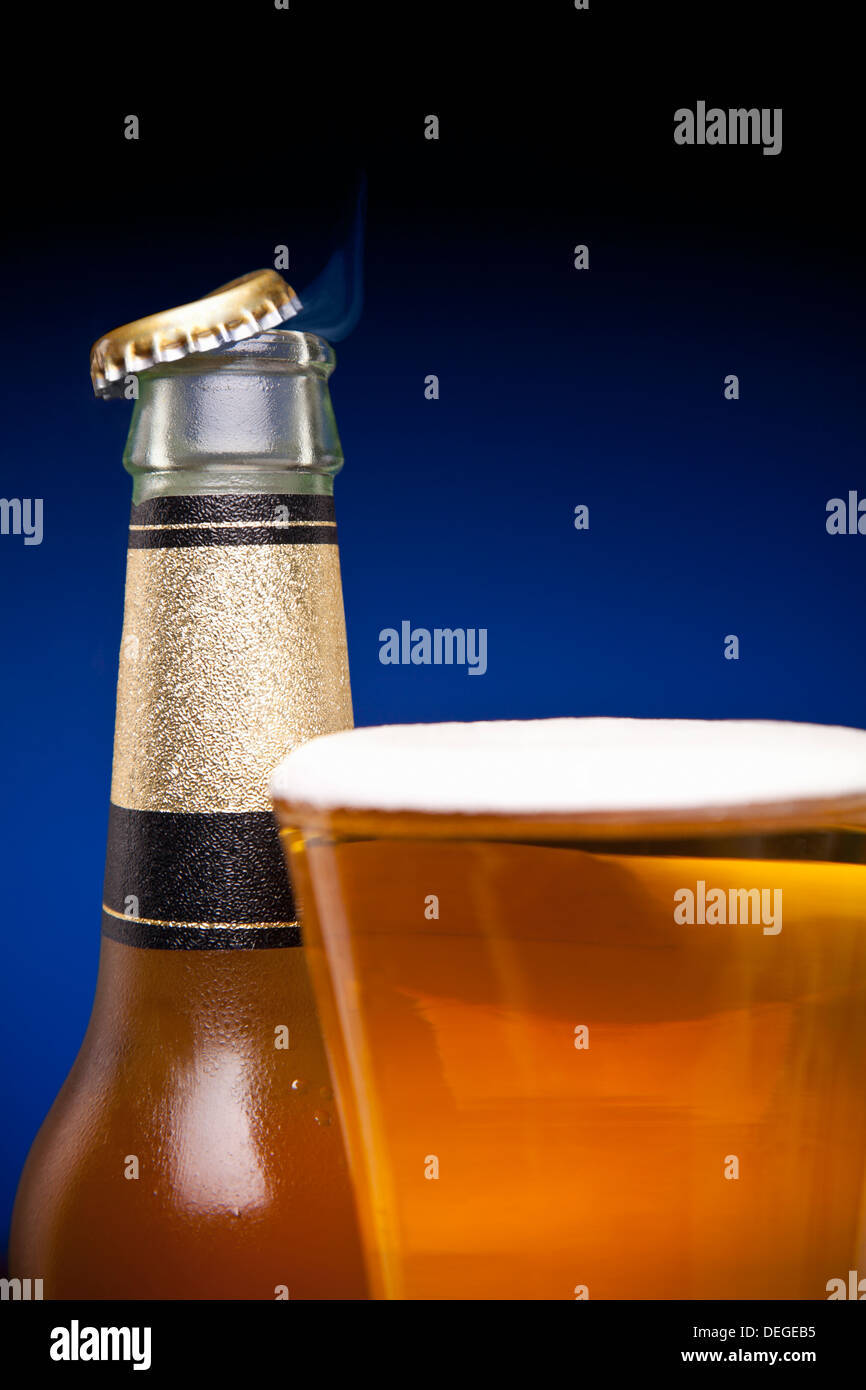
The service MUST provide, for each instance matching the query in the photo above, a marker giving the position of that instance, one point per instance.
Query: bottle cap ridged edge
(241, 309)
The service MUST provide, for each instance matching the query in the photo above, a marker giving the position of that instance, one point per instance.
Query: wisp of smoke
(332, 301)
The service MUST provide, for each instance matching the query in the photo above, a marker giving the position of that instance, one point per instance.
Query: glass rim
(609, 779)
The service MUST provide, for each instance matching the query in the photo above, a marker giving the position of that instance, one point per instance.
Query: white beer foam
(575, 766)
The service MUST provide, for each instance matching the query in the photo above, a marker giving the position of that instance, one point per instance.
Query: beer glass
(594, 994)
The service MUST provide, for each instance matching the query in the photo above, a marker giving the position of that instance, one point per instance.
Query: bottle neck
(233, 648)
(255, 417)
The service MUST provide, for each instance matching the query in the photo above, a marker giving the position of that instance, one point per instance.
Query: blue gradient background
(557, 388)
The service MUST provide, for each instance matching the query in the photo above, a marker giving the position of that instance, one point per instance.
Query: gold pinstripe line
(155, 922)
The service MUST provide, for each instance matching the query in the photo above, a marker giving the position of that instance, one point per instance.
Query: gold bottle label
(233, 652)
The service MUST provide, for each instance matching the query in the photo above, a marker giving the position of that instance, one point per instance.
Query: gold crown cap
(238, 310)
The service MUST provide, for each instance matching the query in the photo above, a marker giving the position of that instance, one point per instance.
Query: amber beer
(195, 1150)
(595, 997)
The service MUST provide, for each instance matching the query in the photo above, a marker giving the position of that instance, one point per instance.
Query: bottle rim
(281, 351)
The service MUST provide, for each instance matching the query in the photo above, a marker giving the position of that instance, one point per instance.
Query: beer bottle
(195, 1150)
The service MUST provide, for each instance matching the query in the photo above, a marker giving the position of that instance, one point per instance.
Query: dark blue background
(558, 387)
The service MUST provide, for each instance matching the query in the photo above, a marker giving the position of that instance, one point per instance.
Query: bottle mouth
(278, 351)
(257, 410)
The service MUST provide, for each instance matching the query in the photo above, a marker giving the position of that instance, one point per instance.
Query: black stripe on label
(232, 535)
(150, 938)
(252, 506)
(220, 870)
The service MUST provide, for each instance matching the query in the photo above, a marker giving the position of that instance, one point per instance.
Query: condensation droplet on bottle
(322, 1117)
(299, 1085)
(326, 1093)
